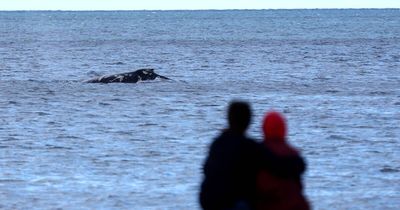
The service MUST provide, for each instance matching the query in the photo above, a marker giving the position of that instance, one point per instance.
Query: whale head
(149, 74)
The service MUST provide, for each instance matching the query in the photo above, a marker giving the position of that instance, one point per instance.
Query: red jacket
(273, 192)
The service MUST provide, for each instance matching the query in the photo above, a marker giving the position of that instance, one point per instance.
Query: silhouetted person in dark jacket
(230, 170)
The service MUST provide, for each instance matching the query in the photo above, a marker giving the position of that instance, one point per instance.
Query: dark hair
(239, 116)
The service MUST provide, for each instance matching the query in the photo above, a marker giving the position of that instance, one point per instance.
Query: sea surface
(66, 144)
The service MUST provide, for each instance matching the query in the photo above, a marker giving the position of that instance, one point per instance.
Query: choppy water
(71, 145)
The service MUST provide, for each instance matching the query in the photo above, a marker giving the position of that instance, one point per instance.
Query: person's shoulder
(221, 139)
(222, 136)
(253, 141)
(252, 144)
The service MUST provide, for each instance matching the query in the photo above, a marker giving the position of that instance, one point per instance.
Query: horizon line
(244, 9)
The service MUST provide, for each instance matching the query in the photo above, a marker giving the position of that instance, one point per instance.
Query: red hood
(274, 126)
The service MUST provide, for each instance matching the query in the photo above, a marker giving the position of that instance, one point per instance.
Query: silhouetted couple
(241, 174)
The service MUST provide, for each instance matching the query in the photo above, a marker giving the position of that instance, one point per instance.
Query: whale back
(128, 77)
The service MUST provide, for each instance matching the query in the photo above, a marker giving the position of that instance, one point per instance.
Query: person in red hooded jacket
(274, 192)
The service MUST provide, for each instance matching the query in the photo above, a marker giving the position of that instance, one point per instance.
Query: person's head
(274, 126)
(239, 116)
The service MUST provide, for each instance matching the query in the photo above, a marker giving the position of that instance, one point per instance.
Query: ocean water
(66, 144)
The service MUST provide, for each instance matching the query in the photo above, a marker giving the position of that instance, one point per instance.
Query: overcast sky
(190, 4)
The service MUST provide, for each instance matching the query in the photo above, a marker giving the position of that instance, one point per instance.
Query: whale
(129, 77)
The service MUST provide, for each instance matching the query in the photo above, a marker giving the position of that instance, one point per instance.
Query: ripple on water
(378, 93)
(388, 169)
(338, 137)
(10, 181)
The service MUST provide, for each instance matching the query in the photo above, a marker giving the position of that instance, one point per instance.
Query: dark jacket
(280, 193)
(230, 171)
